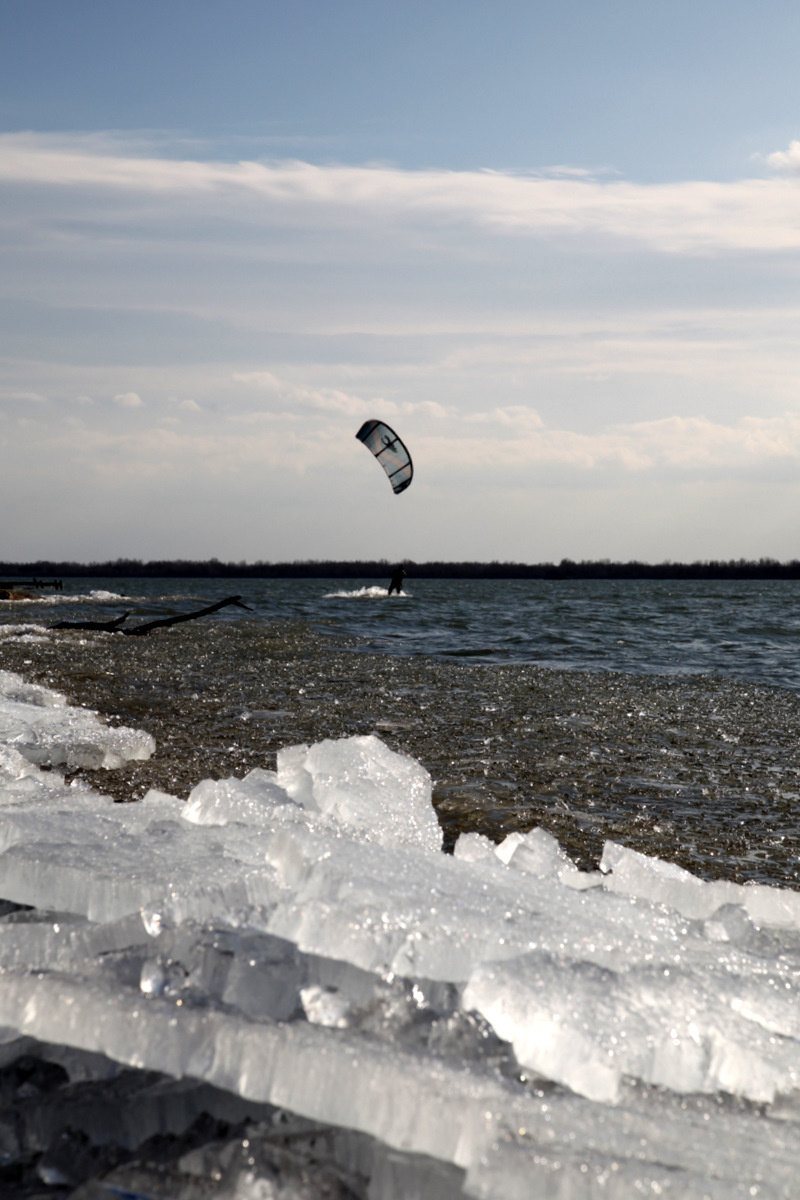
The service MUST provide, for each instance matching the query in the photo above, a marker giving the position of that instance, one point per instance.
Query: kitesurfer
(398, 575)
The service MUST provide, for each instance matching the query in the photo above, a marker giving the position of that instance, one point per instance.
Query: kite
(389, 451)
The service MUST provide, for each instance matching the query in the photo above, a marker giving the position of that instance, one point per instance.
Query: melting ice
(290, 956)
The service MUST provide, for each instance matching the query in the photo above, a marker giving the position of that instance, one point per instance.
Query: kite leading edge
(389, 451)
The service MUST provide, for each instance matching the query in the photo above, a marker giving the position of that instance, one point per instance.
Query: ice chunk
(474, 847)
(323, 1006)
(14, 687)
(46, 730)
(533, 1005)
(293, 776)
(161, 803)
(365, 786)
(265, 979)
(249, 801)
(296, 942)
(538, 853)
(631, 873)
(675, 1027)
(25, 787)
(24, 634)
(508, 845)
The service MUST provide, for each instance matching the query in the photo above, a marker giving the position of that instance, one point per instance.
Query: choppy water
(664, 716)
(744, 630)
(747, 630)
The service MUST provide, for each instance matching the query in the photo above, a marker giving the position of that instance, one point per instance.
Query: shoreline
(697, 771)
(566, 569)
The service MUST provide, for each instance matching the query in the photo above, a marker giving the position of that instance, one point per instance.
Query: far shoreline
(46, 573)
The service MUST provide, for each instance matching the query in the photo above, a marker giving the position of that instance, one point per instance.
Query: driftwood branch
(115, 626)
(202, 612)
(108, 626)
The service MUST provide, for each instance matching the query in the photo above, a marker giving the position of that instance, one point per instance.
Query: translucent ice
(249, 801)
(633, 873)
(46, 730)
(493, 1023)
(474, 847)
(323, 1006)
(538, 853)
(14, 687)
(366, 786)
(688, 1030)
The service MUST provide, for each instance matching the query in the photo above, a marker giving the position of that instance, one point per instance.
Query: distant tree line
(128, 568)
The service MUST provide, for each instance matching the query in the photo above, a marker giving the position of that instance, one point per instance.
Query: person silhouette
(398, 575)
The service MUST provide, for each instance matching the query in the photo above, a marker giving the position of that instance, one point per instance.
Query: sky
(556, 247)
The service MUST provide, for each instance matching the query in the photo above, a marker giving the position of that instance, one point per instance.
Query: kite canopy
(389, 451)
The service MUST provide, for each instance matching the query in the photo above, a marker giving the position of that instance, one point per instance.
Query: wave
(100, 594)
(362, 593)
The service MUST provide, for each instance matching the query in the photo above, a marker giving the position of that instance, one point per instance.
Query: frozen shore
(290, 958)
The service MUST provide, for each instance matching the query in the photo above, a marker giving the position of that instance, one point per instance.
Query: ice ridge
(495, 1023)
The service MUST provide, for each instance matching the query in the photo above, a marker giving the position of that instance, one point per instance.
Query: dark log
(202, 612)
(108, 626)
(115, 626)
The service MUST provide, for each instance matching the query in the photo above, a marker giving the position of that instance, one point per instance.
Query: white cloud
(675, 218)
(691, 442)
(673, 443)
(518, 436)
(451, 304)
(268, 440)
(260, 379)
(428, 408)
(492, 444)
(337, 401)
(786, 160)
(331, 400)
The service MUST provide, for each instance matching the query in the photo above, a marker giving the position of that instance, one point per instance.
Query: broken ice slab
(350, 1081)
(457, 1113)
(39, 724)
(249, 801)
(301, 1160)
(13, 687)
(25, 785)
(357, 783)
(675, 1027)
(231, 949)
(632, 873)
(365, 787)
(384, 911)
(108, 873)
(536, 853)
